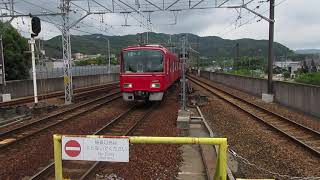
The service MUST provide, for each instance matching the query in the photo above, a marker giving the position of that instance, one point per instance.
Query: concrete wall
(302, 97)
(251, 85)
(21, 88)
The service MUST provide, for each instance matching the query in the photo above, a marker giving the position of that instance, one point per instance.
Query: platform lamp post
(35, 28)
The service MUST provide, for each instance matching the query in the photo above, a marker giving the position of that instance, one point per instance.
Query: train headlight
(127, 85)
(155, 85)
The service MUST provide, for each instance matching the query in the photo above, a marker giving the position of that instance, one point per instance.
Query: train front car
(144, 74)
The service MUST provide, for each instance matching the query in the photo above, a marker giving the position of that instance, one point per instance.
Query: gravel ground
(151, 161)
(307, 120)
(25, 159)
(257, 143)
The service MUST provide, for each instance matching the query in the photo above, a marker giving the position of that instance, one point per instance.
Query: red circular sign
(72, 148)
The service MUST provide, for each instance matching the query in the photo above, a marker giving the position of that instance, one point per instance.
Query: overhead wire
(253, 18)
(240, 16)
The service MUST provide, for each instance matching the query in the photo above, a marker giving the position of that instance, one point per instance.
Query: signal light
(36, 26)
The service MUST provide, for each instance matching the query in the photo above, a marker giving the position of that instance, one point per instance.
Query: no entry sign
(72, 148)
(95, 149)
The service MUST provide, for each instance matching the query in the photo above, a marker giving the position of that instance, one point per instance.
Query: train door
(171, 71)
(167, 71)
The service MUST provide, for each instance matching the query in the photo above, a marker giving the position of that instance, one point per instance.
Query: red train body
(147, 71)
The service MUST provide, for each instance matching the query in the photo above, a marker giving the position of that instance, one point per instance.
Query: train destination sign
(95, 149)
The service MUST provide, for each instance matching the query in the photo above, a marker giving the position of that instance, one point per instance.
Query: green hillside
(210, 46)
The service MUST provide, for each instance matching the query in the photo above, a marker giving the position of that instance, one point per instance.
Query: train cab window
(140, 61)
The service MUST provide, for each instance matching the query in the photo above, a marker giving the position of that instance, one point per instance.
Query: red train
(147, 71)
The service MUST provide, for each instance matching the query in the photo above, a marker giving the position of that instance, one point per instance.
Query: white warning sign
(95, 149)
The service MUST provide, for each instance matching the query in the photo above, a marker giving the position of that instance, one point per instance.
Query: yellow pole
(176, 140)
(223, 160)
(221, 168)
(57, 157)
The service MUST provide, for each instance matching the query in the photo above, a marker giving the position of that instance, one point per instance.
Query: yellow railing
(221, 164)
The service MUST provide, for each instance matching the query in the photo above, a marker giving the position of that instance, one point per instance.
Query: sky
(297, 22)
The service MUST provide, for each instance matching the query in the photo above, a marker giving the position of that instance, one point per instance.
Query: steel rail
(315, 135)
(20, 130)
(77, 97)
(49, 169)
(127, 133)
(29, 99)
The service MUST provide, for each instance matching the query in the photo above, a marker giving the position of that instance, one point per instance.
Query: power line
(252, 19)
(240, 16)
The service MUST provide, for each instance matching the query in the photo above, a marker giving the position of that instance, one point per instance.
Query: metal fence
(46, 72)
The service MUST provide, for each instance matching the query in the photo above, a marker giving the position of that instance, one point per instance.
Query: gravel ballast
(257, 143)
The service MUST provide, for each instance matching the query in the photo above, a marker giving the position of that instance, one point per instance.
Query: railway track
(304, 136)
(81, 92)
(28, 129)
(122, 125)
(78, 97)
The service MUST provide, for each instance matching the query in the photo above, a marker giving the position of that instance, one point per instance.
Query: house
(293, 65)
(77, 56)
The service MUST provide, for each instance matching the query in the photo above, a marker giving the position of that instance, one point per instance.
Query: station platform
(199, 161)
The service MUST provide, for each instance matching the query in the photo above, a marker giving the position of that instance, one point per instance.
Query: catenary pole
(270, 50)
(109, 65)
(183, 73)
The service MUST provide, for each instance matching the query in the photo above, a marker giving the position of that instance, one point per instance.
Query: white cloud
(296, 22)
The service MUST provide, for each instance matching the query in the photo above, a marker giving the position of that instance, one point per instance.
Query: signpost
(95, 149)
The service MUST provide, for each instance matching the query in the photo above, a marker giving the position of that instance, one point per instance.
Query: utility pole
(237, 53)
(2, 70)
(270, 50)
(109, 65)
(184, 72)
(147, 42)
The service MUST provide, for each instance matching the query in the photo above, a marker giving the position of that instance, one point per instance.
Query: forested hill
(210, 46)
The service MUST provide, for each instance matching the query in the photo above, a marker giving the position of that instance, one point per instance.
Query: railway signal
(36, 29)
(35, 26)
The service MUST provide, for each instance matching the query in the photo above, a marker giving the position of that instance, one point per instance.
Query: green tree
(101, 60)
(309, 78)
(249, 63)
(17, 62)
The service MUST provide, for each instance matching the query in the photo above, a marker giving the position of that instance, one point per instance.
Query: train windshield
(140, 61)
